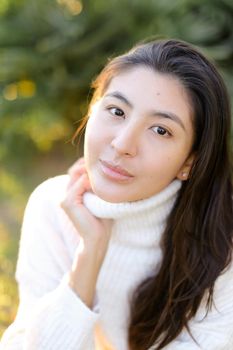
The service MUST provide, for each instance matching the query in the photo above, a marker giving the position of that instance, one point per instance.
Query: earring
(184, 175)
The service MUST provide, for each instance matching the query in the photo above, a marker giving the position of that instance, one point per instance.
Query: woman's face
(139, 136)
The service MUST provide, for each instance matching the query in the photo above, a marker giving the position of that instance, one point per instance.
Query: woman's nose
(125, 142)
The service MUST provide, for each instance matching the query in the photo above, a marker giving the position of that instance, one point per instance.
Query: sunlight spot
(75, 7)
(4, 6)
(26, 88)
(10, 92)
(23, 88)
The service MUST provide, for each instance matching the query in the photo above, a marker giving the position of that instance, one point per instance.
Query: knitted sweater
(52, 317)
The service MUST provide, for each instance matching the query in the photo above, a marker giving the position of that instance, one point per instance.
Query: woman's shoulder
(52, 189)
(54, 185)
(43, 207)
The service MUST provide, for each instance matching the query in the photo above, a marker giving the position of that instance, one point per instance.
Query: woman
(133, 250)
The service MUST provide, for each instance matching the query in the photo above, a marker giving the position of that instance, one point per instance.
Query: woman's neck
(103, 209)
(139, 223)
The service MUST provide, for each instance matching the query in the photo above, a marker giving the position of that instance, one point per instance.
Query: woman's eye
(116, 111)
(161, 131)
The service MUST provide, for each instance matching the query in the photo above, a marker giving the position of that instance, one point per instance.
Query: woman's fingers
(73, 203)
(79, 187)
(76, 190)
(94, 231)
(74, 168)
(75, 171)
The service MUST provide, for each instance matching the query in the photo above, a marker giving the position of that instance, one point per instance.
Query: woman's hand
(94, 232)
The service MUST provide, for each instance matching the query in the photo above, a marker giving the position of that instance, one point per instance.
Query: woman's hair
(197, 241)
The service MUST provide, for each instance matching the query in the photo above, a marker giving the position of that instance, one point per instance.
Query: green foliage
(8, 291)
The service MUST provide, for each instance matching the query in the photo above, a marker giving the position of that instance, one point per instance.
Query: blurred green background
(49, 53)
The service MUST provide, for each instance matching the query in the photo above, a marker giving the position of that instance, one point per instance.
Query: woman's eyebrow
(171, 116)
(156, 113)
(120, 97)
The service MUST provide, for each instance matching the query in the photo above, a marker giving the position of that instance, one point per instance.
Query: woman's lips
(114, 171)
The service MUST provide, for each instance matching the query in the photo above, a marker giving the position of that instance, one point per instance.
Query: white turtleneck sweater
(52, 317)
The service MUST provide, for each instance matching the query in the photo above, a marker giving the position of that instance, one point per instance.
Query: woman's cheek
(92, 148)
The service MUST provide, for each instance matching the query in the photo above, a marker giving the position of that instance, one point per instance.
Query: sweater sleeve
(214, 330)
(50, 315)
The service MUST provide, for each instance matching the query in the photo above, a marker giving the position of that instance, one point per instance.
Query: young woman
(133, 250)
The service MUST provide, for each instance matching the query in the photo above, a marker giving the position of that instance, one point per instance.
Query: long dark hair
(197, 242)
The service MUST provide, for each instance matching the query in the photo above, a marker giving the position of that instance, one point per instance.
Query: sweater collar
(160, 204)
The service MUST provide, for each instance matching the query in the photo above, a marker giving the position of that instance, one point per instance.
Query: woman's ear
(183, 173)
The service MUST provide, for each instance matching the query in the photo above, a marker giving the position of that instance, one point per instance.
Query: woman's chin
(109, 190)
(109, 195)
